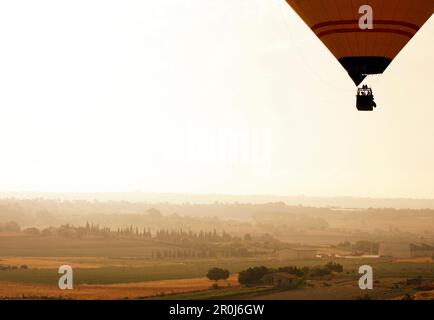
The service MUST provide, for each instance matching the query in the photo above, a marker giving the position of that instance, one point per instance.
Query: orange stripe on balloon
(386, 22)
(376, 30)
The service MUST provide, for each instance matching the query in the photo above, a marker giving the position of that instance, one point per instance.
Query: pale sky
(202, 96)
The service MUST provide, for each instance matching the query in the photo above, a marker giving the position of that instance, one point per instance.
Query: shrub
(32, 231)
(217, 274)
(252, 275)
(334, 267)
(320, 272)
(11, 226)
(299, 272)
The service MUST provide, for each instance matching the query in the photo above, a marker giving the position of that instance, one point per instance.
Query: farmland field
(54, 246)
(95, 278)
(137, 290)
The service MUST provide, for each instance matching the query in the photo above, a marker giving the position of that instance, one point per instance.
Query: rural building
(280, 279)
(421, 250)
(298, 254)
(405, 250)
(395, 249)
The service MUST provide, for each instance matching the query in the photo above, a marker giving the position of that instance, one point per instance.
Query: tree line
(90, 229)
(253, 276)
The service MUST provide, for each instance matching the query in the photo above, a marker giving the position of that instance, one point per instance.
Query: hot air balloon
(364, 35)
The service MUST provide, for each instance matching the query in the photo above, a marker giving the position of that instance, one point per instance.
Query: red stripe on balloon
(377, 30)
(387, 22)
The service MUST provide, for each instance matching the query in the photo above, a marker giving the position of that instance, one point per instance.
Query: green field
(53, 246)
(181, 269)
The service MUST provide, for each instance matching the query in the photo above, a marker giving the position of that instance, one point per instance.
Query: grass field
(146, 270)
(13, 290)
(54, 246)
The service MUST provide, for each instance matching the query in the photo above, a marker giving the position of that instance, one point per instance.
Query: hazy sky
(227, 96)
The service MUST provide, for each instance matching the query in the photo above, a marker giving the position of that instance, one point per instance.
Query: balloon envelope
(364, 51)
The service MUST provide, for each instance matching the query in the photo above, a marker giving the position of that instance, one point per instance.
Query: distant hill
(339, 202)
